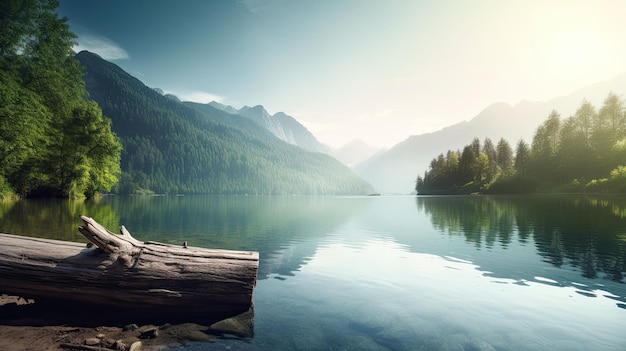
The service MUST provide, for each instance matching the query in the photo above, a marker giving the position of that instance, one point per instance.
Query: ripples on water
(462, 273)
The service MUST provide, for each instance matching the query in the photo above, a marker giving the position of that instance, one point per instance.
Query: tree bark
(121, 271)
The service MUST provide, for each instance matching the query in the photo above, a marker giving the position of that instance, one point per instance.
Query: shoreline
(36, 334)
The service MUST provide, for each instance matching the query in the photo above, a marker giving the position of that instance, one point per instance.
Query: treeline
(176, 148)
(585, 152)
(53, 141)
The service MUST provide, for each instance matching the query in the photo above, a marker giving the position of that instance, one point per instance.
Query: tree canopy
(53, 140)
(584, 152)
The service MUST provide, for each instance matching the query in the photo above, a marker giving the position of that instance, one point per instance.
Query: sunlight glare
(576, 52)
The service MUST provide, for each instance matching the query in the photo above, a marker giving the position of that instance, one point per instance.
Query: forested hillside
(53, 141)
(176, 148)
(584, 152)
(396, 169)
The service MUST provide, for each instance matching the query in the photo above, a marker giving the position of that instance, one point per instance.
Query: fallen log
(121, 271)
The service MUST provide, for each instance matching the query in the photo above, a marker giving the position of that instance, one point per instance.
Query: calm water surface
(394, 273)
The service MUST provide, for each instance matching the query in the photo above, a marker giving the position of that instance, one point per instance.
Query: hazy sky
(375, 70)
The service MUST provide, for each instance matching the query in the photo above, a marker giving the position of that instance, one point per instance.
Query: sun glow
(575, 46)
(577, 50)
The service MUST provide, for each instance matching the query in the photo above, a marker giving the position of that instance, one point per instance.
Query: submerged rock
(241, 325)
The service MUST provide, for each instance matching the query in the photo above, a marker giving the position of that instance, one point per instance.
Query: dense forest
(56, 141)
(585, 152)
(53, 141)
(184, 148)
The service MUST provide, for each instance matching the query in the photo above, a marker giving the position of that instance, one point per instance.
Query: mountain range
(395, 170)
(391, 171)
(283, 126)
(288, 129)
(178, 147)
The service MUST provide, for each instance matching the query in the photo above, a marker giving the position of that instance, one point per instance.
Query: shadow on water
(588, 233)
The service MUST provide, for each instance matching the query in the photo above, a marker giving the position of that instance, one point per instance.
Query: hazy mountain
(235, 121)
(174, 147)
(173, 97)
(283, 126)
(225, 108)
(355, 152)
(396, 170)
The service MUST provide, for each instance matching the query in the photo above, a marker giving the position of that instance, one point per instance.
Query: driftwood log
(120, 271)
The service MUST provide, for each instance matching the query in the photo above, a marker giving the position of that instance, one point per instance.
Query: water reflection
(582, 232)
(508, 273)
(53, 218)
(285, 230)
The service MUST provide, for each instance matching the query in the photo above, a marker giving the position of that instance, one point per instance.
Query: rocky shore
(37, 335)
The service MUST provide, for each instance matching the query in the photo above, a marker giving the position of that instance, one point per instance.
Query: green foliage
(6, 192)
(615, 183)
(522, 157)
(176, 148)
(52, 141)
(473, 170)
(583, 153)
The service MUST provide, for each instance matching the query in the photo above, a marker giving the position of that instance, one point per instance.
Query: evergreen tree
(543, 162)
(504, 157)
(522, 156)
(490, 152)
(575, 156)
(467, 164)
(584, 117)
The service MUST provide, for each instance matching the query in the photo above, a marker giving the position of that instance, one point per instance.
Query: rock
(240, 325)
(136, 346)
(195, 335)
(130, 327)
(149, 333)
(92, 341)
(108, 342)
(119, 345)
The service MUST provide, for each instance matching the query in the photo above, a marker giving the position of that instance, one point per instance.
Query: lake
(394, 273)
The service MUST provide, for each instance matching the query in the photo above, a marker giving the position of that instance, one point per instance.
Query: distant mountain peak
(225, 108)
(285, 128)
(355, 142)
(87, 53)
(355, 152)
(172, 97)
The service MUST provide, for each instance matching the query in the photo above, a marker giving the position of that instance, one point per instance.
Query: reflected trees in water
(581, 231)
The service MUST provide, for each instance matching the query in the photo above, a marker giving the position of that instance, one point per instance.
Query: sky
(375, 70)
